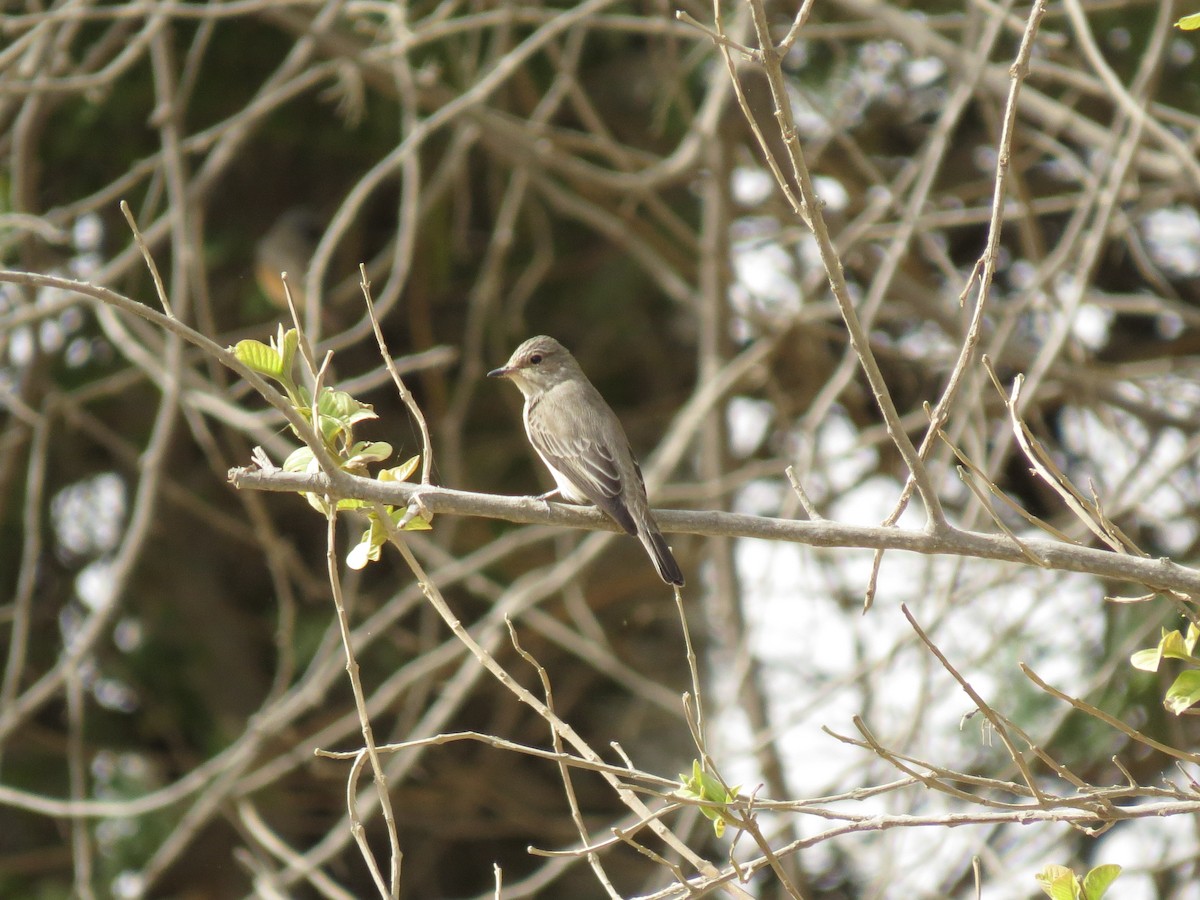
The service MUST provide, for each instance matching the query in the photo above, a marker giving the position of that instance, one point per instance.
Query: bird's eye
(536, 358)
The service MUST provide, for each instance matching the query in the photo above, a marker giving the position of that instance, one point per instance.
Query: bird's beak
(502, 372)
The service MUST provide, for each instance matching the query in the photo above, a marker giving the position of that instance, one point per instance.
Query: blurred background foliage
(580, 170)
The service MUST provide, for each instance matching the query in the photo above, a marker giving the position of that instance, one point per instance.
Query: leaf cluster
(335, 413)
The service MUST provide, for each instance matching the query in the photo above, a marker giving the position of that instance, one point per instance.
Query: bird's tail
(660, 555)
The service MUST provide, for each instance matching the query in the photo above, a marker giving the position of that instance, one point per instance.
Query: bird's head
(537, 365)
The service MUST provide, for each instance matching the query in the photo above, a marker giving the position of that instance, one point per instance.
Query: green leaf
(402, 472)
(365, 551)
(317, 502)
(341, 405)
(702, 786)
(286, 344)
(1059, 883)
(365, 452)
(258, 356)
(1147, 660)
(368, 548)
(416, 523)
(339, 412)
(1189, 23)
(710, 787)
(1174, 646)
(274, 362)
(1184, 692)
(300, 460)
(1171, 644)
(1097, 881)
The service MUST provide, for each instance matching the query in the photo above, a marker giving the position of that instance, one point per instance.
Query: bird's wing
(585, 459)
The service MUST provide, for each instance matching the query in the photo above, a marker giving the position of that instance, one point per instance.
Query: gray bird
(582, 443)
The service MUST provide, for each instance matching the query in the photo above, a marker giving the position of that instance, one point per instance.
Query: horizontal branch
(1157, 574)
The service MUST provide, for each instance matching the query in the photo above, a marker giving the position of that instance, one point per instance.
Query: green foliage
(1061, 883)
(1189, 23)
(1184, 692)
(368, 547)
(337, 412)
(710, 791)
(274, 361)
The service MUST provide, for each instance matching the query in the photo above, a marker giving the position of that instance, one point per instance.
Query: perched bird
(582, 443)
